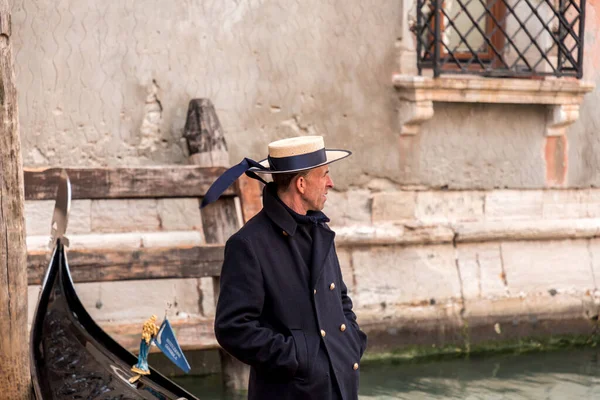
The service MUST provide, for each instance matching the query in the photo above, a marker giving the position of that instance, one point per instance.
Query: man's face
(317, 183)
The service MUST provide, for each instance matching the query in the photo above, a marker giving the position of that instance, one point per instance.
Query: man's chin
(317, 208)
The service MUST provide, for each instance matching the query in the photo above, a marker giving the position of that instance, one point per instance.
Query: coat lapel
(322, 245)
(322, 236)
(276, 212)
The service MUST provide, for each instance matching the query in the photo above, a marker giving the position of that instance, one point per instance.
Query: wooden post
(250, 194)
(15, 378)
(207, 147)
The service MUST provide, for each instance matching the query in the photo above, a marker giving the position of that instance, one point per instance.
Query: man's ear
(301, 184)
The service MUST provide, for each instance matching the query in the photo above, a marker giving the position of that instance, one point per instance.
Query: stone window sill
(418, 93)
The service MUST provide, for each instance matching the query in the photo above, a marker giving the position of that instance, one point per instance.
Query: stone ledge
(482, 321)
(583, 304)
(364, 235)
(469, 89)
(404, 326)
(528, 230)
(392, 234)
(468, 232)
(563, 96)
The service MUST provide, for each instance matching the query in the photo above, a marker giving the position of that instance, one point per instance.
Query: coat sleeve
(239, 307)
(350, 316)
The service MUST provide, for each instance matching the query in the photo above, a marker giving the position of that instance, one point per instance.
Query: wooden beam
(250, 194)
(118, 265)
(124, 182)
(206, 144)
(204, 135)
(192, 334)
(15, 377)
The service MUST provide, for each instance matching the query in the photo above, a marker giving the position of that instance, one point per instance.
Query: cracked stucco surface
(272, 69)
(92, 75)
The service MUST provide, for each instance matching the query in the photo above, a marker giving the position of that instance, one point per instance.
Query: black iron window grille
(501, 38)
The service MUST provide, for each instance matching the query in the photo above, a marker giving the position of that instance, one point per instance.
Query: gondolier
(283, 307)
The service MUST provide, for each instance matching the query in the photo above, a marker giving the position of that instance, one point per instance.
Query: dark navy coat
(273, 313)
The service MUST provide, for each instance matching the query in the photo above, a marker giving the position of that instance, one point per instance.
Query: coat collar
(276, 211)
(286, 218)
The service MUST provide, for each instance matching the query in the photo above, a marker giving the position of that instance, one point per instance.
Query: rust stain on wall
(556, 156)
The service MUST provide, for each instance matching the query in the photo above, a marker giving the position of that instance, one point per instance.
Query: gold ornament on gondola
(149, 332)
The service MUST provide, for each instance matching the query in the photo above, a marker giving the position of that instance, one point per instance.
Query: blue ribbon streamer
(228, 177)
(293, 163)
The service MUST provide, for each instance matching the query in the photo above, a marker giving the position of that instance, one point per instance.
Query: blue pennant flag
(167, 343)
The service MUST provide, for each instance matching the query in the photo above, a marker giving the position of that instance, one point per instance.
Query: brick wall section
(471, 206)
(399, 251)
(411, 273)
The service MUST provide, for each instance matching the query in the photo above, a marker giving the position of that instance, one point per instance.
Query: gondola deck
(73, 358)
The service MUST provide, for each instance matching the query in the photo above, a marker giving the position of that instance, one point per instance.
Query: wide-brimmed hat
(285, 156)
(298, 154)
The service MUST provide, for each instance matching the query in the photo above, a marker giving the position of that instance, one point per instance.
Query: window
(501, 37)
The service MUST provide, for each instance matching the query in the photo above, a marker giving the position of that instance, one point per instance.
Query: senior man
(283, 306)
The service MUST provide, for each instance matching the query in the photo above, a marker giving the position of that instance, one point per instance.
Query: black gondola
(71, 356)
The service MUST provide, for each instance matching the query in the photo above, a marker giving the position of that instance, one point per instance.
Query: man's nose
(329, 182)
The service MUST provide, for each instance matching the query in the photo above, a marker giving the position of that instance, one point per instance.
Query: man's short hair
(283, 180)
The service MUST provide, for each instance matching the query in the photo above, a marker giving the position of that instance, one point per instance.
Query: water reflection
(573, 374)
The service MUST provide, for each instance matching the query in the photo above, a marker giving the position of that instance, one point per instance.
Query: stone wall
(451, 232)
(422, 266)
(464, 266)
(109, 83)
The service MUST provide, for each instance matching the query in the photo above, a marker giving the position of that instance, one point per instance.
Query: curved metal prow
(60, 218)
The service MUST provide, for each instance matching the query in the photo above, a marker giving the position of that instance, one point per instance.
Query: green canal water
(556, 375)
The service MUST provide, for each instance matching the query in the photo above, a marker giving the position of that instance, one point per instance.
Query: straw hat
(285, 156)
(298, 154)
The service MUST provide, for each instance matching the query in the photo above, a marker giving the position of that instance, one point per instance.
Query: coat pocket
(301, 353)
(359, 338)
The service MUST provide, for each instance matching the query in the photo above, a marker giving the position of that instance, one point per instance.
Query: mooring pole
(206, 143)
(15, 379)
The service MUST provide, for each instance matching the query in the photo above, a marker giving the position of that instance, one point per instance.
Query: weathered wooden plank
(15, 378)
(124, 182)
(204, 135)
(192, 334)
(150, 263)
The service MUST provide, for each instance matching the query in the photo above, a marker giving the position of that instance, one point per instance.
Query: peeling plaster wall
(584, 135)
(477, 146)
(109, 83)
(272, 69)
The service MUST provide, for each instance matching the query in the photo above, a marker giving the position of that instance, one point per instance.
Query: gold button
(332, 286)
(342, 327)
(355, 366)
(285, 233)
(323, 333)
(315, 292)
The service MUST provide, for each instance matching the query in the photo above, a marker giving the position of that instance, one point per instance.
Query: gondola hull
(73, 358)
